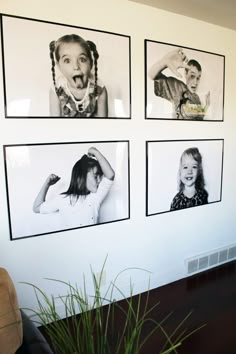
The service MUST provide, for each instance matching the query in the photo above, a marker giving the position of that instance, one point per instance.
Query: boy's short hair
(195, 63)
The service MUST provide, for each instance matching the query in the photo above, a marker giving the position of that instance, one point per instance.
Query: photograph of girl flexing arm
(69, 186)
(91, 180)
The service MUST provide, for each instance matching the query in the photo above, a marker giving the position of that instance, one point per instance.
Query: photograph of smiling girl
(88, 185)
(183, 174)
(183, 83)
(66, 72)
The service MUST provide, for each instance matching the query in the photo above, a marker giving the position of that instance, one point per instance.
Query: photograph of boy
(184, 83)
(88, 185)
(192, 177)
(68, 72)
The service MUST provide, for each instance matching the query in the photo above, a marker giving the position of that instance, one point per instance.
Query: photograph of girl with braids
(88, 185)
(183, 83)
(66, 71)
(76, 90)
(192, 177)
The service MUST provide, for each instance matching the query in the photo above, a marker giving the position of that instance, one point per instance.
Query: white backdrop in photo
(163, 170)
(28, 66)
(29, 166)
(211, 80)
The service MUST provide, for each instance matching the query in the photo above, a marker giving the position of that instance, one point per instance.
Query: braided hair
(52, 49)
(89, 47)
(93, 48)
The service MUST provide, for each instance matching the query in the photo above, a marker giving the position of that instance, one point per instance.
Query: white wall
(158, 243)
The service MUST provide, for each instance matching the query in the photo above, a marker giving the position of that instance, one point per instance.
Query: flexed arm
(51, 179)
(104, 164)
(173, 60)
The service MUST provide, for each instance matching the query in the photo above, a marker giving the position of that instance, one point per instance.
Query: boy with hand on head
(184, 97)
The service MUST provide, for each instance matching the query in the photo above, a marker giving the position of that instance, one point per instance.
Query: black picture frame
(172, 97)
(27, 68)
(164, 186)
(27, 167)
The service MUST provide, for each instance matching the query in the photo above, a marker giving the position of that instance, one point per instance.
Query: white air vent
(213, 259)
(210, 259)
(232, 252)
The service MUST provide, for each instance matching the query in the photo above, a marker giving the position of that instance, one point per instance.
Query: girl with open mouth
(76, 92)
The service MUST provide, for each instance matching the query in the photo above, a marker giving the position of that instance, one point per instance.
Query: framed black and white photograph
(183, 174)
(64, 186)
(64, 71)
(183, 83)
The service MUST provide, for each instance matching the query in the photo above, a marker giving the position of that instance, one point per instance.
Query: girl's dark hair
(195, 154)
(79, 172)
(89, 47)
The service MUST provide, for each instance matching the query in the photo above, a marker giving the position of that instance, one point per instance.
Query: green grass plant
(99, 325)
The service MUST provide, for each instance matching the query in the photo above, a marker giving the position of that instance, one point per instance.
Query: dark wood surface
(211, 296)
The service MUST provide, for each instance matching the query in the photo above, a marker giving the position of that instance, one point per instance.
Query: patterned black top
(180, 201)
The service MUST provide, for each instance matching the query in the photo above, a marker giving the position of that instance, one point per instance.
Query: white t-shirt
(84, 211)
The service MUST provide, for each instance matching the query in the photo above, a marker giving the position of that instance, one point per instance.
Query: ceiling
(218, 12)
